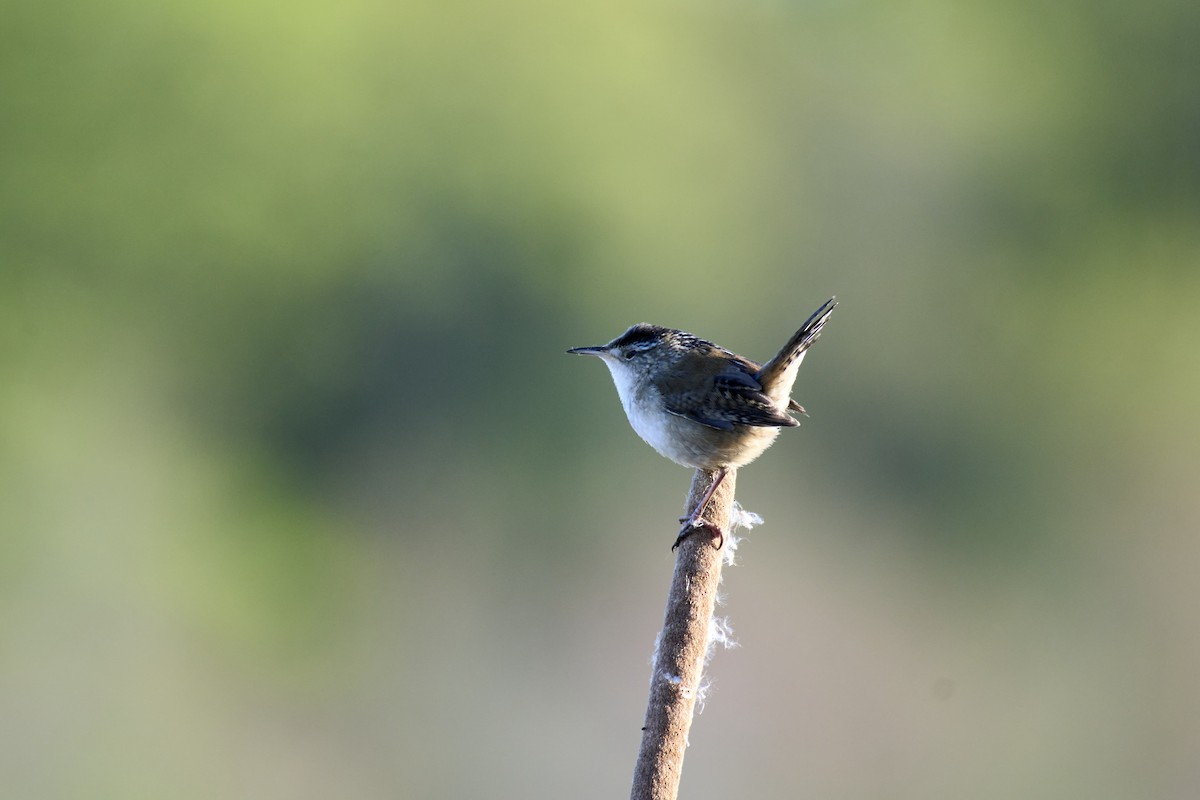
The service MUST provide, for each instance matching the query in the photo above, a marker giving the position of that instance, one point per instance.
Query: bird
(703, 406)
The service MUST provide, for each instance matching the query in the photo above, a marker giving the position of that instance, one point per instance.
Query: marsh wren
(701, 405)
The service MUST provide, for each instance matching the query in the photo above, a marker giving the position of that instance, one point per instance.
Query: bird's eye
(628, 354)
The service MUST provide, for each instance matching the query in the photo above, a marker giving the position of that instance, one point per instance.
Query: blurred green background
(303, 499)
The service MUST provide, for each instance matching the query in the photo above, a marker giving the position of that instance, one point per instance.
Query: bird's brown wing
(735, 397)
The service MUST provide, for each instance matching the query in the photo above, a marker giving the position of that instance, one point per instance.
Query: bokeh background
(302, 499)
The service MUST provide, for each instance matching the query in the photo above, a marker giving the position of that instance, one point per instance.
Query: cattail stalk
(682, 646)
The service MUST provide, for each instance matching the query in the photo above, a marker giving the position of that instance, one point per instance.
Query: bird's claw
(692, 526)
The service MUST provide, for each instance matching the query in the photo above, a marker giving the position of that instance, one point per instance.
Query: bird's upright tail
(778, 374)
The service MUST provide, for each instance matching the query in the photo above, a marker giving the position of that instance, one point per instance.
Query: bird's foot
(692, 526)
(696, 521)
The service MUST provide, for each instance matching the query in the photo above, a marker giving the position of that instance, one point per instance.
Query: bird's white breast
(644, 409)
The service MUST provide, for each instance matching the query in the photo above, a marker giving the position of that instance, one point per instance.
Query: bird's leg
(696, 521)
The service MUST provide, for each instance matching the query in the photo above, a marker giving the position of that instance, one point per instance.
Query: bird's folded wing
(735, 398)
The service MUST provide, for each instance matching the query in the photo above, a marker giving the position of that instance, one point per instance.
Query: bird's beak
(588, 351)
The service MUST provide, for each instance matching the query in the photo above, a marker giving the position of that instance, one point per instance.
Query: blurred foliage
(305, 501)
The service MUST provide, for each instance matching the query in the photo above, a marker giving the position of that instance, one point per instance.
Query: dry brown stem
(682, 646)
